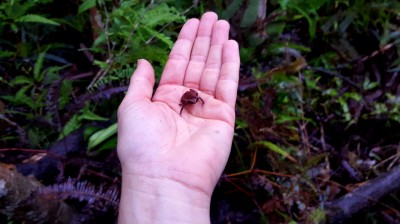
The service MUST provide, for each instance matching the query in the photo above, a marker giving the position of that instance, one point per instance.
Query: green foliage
(132, 31)
(304, 9)
(16, 13)
(125, 32)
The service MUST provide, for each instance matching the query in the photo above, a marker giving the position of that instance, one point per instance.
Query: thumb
(142, 82)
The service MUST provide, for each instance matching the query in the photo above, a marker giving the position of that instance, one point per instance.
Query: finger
(227, 85)
(175, 68)
(200, 51)
(142, 82)
(212, 68)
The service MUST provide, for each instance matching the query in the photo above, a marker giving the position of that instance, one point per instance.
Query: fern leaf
(72, 124)
(120, 77)
(82, 191)
(160, 15)
(33, 18)
(53, 100)
(165, 39)
(37, 75)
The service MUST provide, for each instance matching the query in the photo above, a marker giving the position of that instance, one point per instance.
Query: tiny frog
(190, 97)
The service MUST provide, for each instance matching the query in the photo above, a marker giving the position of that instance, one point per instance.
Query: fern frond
(121, 76)
(82, 191)
(161, 14)
(165, 39)
(52, 101)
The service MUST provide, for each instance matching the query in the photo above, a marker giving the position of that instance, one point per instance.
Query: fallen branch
(363, 197)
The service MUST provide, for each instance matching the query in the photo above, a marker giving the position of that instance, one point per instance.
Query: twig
(54, 155)
(326, 71)
(303, 123)
(22, 134)
(260, 171)
(110, 49)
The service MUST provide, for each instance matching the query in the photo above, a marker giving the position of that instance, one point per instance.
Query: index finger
(227, 84)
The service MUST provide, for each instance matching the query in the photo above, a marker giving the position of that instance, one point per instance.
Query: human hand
(170, 160)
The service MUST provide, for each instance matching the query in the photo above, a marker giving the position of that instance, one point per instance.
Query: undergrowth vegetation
(318, 109)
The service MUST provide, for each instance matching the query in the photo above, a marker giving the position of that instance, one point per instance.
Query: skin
(171, 163)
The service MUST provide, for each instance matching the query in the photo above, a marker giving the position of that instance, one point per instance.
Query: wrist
(146, 199)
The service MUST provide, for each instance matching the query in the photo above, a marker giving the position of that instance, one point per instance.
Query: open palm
(191, 149)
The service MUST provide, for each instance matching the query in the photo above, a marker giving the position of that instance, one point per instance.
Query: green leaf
(279, 48)
(101, 39)
(73, 124)
(101, 64)
(250, 15)
(330, 92)
(283, 118)
(20, 98)
(108, 144)
(101, 136)
(66, 90)
(14, 28)
(240, 124)
(275, 28)
(37, 19)
(246, 54)
(6, 54)
(37, 74)
(314, 5)
(20, 79)
(283, 4)
(86, 5)
(312, 23)
(313, 161)
(277, 149)
(317, 216)
(368, 85)
(345, 108)
(353, 95)
(231, 9)
(89, 115)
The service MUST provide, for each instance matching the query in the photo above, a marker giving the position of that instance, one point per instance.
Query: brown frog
(190, 97)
